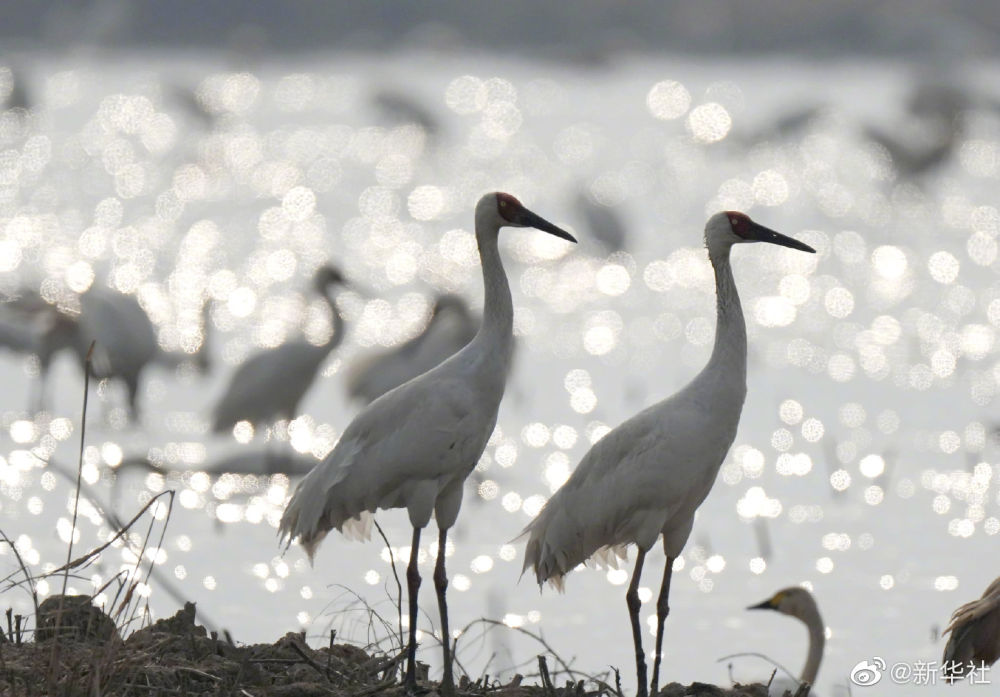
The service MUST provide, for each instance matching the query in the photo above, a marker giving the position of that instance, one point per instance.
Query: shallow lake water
(866, 462)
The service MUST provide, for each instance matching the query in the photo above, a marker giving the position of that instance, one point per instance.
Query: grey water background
(587, 29)
(867, 449)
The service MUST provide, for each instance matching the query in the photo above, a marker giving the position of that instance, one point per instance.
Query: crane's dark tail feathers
(311, 544)
(552, 553)
(545, 565)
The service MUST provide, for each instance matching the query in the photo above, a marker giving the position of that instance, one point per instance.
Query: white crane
(650, 474)
(125, 336)
(414, 446)
(126, 340)
(799, 603)
(975, 635)
(452, 325)
(270, 384)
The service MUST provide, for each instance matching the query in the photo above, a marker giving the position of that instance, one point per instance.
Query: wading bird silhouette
(125, 335)
(975, 635)
(604, 223)
(452, 325)
(42, 334)
(649, 475)
(126, 339)
(22, 336)
(414, 446)
(259, 463)
(799, 603)
(269, 385)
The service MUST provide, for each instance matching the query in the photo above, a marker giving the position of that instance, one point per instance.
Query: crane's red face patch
(508, 206)
(740, 223)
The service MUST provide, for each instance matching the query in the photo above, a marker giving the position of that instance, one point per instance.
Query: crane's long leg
(441, 585)
(412, 587)
(632, 600)
(38, 389)
(270, 466)
(132, 385)
(662, 610)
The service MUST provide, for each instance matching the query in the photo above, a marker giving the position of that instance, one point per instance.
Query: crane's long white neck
(817, 640)
(497, 330)
(338, 322)
(729, 354)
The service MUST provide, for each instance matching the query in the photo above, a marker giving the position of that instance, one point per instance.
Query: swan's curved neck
(817, 640)
(338, 322)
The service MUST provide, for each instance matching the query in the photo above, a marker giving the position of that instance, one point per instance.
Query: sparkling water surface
(866, 458)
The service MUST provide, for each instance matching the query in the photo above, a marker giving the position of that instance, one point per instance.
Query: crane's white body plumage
(411, 448)
(649, 475)
(644, 478)
(414, 446)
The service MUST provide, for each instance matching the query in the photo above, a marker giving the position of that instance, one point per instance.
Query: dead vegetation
(70, 648)
(175, 656)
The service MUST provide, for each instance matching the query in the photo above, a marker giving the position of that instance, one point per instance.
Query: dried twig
(373, 689)
(24, 569)
(537, 637)
(543, 670)
(313, 664)
(54, 654)
(371, 613)
(399, 586)
(764, 657)
(803, 690)
(199, 673)
(79, 469)
(79, 561)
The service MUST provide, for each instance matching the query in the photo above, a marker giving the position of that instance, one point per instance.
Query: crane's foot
(416, 682)
(416, 689)
(447, 689)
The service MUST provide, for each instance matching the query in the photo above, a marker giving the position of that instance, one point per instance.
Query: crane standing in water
(648, 476)
(270, 384)
(414, 446)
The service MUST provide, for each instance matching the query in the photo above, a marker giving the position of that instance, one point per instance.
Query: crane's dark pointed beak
(760, 233)
(528, 219)
(766, 605)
